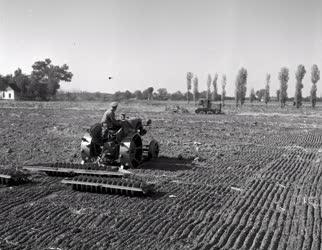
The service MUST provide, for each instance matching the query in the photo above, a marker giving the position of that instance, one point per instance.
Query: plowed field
(249, 179)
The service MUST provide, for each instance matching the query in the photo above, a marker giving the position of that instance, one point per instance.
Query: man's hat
(114, 104)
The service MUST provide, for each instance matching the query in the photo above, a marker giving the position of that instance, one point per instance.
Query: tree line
(42, 84)
(262, 94)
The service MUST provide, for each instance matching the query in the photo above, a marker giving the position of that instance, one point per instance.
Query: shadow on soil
(167, 164)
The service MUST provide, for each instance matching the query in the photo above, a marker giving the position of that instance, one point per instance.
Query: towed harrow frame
(91, 177)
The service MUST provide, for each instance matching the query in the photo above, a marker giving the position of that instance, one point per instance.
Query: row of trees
(214, 95)
(162, 94)
(41, 84)
(281, 93)
(283, 77)
(262, 94)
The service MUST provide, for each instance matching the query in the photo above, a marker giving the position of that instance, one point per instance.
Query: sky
(142, 43)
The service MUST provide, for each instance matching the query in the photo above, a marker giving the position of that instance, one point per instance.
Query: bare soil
(249, 179)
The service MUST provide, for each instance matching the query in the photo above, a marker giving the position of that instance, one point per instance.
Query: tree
(162, 94)
(189, 77)
(300, 73)
(45, 73)
(240, 92)
(177, 96)
(145, 94)
(4, 82)
(260, 94)
(148, 93)
(20, 80)
(315, 77)
(267, 96)
(37, 91)
(188, 95)
(223, 92)
(252, 96)
(195, 89)
(208, 87)
(43, 82)
(117, 96)
(138, 95)
(278, 93)
(25, 87)
(214, 85)
(128, 95)
(283, 76)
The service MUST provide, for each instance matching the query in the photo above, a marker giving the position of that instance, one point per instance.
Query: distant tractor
(205, 106)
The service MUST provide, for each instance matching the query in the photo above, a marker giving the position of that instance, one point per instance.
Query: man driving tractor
(109, 118)
(110, 123)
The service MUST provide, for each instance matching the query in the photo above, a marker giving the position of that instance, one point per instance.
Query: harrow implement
(91, 177)
(123, 186)
(12, 177)
(74, 169)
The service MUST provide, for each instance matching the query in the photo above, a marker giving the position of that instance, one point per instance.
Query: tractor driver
(109, 119)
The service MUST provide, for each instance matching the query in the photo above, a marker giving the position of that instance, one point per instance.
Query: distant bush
(83, 96)
(178, 96)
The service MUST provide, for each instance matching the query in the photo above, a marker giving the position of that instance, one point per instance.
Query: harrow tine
(4, 181)
(112, 190)
(132, 191)
(107, 185)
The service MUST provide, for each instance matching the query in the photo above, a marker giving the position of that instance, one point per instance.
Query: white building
(7, 94)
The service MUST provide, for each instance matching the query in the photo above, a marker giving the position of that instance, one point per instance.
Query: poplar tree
(300, 73)
(240, 91)
(283, 77)
(315, 77)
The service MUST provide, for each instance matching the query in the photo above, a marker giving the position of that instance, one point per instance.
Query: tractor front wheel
(153, 149)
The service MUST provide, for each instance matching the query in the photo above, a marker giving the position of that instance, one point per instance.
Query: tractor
(123, 147)
(106, 154)
(205, 106)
